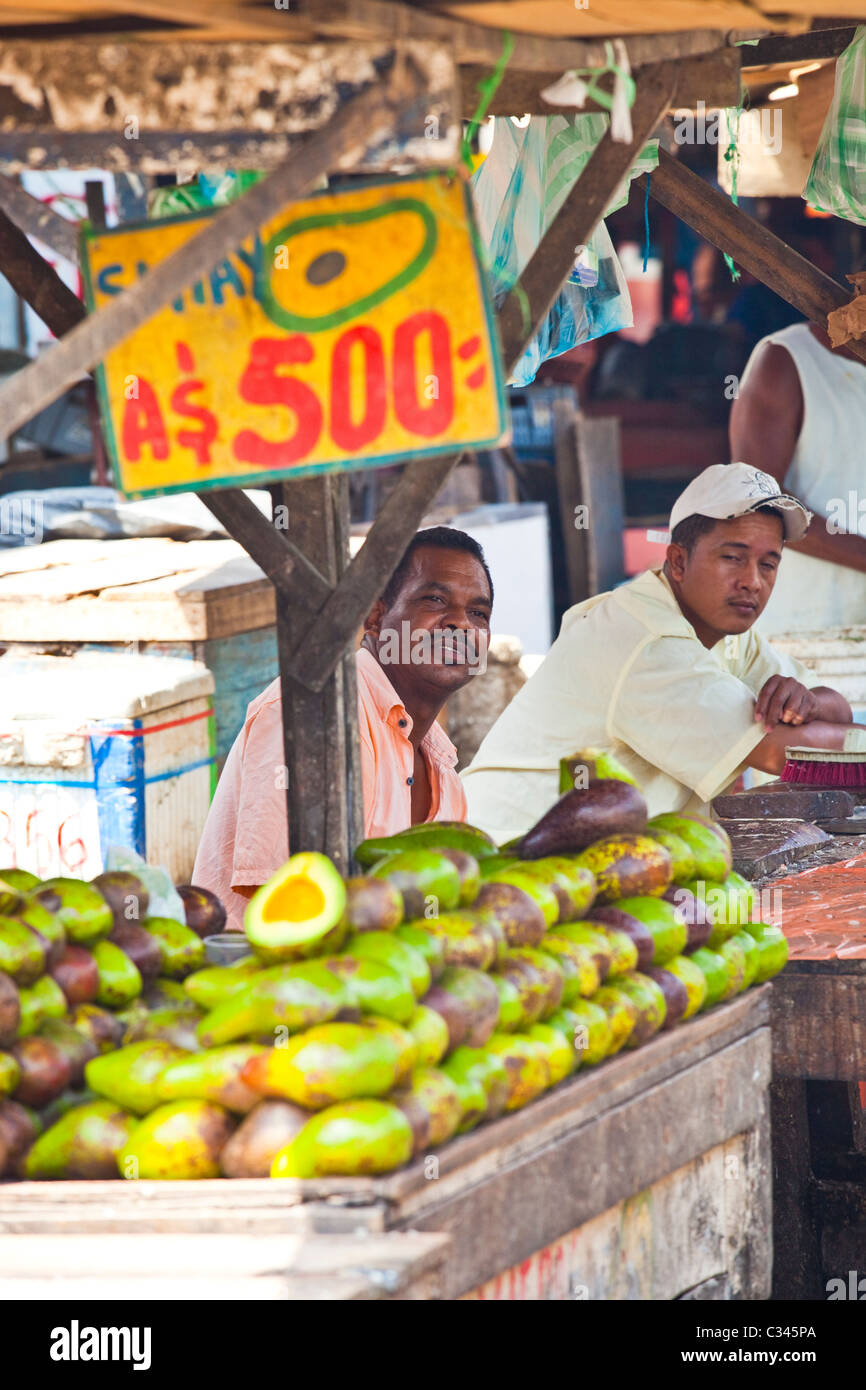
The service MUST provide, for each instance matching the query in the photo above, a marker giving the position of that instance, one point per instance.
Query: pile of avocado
(375, 1017)
(84, 969)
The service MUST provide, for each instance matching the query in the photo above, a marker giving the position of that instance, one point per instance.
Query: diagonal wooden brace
(714, 217)
(321, 645)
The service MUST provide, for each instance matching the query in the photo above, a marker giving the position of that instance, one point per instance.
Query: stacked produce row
(381, 1015)
(83, 970)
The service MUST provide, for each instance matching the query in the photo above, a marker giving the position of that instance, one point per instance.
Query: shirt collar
(386, 703)
(726, 649)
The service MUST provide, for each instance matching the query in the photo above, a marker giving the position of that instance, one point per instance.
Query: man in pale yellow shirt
(667, 672)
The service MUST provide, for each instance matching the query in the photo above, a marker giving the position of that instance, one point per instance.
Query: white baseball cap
(726, 490)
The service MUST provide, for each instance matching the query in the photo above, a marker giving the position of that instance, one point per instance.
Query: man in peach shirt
(424, 638)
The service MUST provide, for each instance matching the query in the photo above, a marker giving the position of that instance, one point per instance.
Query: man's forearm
(833, 708)
(769, 756)
(840, 548)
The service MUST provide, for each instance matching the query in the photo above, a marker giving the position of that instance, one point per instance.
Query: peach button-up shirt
(245, 836)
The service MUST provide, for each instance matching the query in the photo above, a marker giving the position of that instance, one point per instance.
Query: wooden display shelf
(647, 1177)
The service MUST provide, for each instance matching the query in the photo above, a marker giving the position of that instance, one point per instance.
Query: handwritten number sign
(354, 330)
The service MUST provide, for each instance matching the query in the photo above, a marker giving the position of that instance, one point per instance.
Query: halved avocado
(298, 912)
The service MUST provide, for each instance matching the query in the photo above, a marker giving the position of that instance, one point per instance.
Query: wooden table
(819, 1063)
(645, 1178)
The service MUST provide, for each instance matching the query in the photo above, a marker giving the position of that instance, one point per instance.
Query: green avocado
(299, 912)
(23, 956)
(83, 1143)
(372, 905)
(82, 909)
(714, 969)
(561, 1056)
(694, 979)
(429, 835)
(430, 1032)
(577, 963)
(538, 889)
(389, 950)
(772, 950)
(708, 841)
(682, 858)
(327, 1064)
(216, 983)
(10, 1074)
(666, 925)
(734, 957)
(527, 1066)
(285, 997)
(752, 953)
(622, 1014)
(432, 947)
(373, 987)
(482, 1084)
(351, 1139)
(43, 1000)
(431, 1102)
(650, 1000)
(428, 882)
(627, 865)
(20, 880)
(587, 1027)
(119, 978)
(180, 1140)
(182, 949)
(213, 1075)
(130, 1076)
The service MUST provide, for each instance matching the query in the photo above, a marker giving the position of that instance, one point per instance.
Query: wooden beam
(362, 121)
(42, 288)
(292, 573)
(714, 217)
(39, 219)
(524, 309)
(325, 638)
(128, 90)
(477, 43)
(713, 78)
(159, 152)
(798, 48)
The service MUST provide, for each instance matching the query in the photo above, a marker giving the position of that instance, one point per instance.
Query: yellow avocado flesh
(302, 905)
(296, 900)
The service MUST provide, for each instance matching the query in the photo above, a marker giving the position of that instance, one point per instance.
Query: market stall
(563, 1185)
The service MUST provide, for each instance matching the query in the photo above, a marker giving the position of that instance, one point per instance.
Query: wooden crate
(648, 1177)
(203, 601)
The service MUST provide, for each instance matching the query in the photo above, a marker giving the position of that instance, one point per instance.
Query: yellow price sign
(354, 330)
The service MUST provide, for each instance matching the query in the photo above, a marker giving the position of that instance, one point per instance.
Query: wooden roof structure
(332, 85)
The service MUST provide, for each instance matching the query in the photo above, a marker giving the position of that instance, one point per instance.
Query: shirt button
(402, 723)
(410, 781)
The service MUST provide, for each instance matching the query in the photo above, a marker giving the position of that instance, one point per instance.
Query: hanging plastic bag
(205, 191)
(517, 192)
(837, 179)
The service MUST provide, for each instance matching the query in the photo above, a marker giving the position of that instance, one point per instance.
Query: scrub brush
(825, 767)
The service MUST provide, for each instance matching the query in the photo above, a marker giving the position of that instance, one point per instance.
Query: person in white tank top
(801, 416)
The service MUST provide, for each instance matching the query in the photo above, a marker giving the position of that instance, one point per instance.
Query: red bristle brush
(825, 768)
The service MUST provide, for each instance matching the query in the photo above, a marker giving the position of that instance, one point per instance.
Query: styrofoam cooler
(101, 749)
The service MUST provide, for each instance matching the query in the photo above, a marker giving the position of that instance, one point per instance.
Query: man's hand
(784, 700)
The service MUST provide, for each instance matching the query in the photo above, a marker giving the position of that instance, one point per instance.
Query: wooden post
(320, 728)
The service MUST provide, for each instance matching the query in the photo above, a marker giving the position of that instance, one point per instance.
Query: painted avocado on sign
(354, 330)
